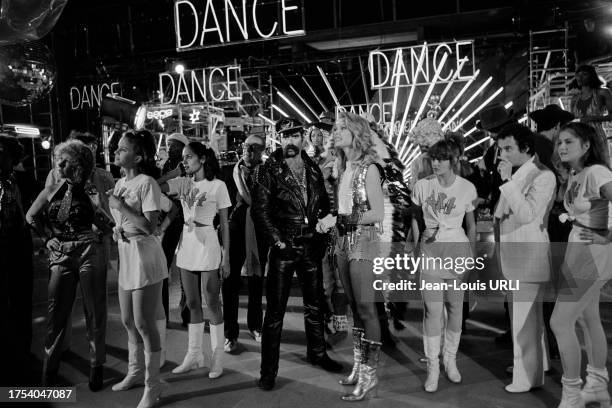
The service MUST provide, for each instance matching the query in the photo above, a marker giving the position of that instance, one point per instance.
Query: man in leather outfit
(289, 198)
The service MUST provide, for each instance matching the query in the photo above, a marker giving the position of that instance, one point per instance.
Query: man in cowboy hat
(550, 119)
(289, 198)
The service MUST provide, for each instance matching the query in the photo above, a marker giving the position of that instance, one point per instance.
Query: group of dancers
(294, 212)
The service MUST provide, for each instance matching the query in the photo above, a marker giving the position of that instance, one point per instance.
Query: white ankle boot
(570, 397)
(136, 365)
(161, 328)
(217, 338)
(194, 358)
(153, 385)
(449, 359)
(432, 352)
(596, 387)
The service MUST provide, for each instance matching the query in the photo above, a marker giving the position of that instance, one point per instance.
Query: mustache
(291, 148)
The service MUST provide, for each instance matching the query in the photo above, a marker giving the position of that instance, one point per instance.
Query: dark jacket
(278, 206)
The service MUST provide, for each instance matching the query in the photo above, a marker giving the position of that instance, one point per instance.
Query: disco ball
(27, 73)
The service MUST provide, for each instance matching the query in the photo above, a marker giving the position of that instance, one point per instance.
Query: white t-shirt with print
(444, 207)
(201, 200)
(199, 248)
(142, 194)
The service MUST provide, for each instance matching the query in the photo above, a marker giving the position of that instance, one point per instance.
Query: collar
(525, 168)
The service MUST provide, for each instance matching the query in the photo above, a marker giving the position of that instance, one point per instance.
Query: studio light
(123, 110)
(179, 68)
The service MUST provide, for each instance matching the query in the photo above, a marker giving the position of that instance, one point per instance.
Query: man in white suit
(522, 213)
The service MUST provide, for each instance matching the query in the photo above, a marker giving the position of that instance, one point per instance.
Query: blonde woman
(360, 207)
(74, 257)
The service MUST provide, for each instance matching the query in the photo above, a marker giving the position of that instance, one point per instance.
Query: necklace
(301, 180)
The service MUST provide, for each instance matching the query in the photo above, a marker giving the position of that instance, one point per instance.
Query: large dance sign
(212, 23)
(422, 64)
(212, 84)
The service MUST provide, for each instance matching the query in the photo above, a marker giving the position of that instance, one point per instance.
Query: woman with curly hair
(69, 216)
(587, 265)
(135, 204)
(360, 207)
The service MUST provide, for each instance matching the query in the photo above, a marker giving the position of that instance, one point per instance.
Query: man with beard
(289, 198)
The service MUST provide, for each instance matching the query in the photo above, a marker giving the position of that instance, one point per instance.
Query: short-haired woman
(73, 258)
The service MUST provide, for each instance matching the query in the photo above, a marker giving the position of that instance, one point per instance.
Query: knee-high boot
(153, 385)
(353, 377)
(136, 365)
(596, 387)
(432, 352)
(194, 357)
(570, 397)
(216, 342)
(368, 379)
(449, 355)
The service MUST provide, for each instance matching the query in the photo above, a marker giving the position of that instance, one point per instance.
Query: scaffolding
(549, 75)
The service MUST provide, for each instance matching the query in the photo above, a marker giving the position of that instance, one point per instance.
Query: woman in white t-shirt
(446, 199)
(587, 265)
(135, 205)
(199, 254)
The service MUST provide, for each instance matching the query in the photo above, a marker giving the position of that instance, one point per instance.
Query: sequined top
(81, 214)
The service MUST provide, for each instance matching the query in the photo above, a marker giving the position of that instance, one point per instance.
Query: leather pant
(71, 263)
(302, 259)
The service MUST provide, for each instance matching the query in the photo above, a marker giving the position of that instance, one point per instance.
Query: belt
(297, 231)
(197, 224)
(125, 236)
(345, 227)
(76, 236)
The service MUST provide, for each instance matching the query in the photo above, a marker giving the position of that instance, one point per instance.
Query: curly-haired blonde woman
(360, 208)
(73, 258)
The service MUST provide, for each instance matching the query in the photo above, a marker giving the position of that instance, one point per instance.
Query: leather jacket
(278, 210)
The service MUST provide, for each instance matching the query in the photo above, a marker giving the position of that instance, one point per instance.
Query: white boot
(216, 343)
(596, 387)
(449, 355)
(136, 365)
(194, 357)
(570, 397)
(153, 385)
(432, 352)
(161, 328)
